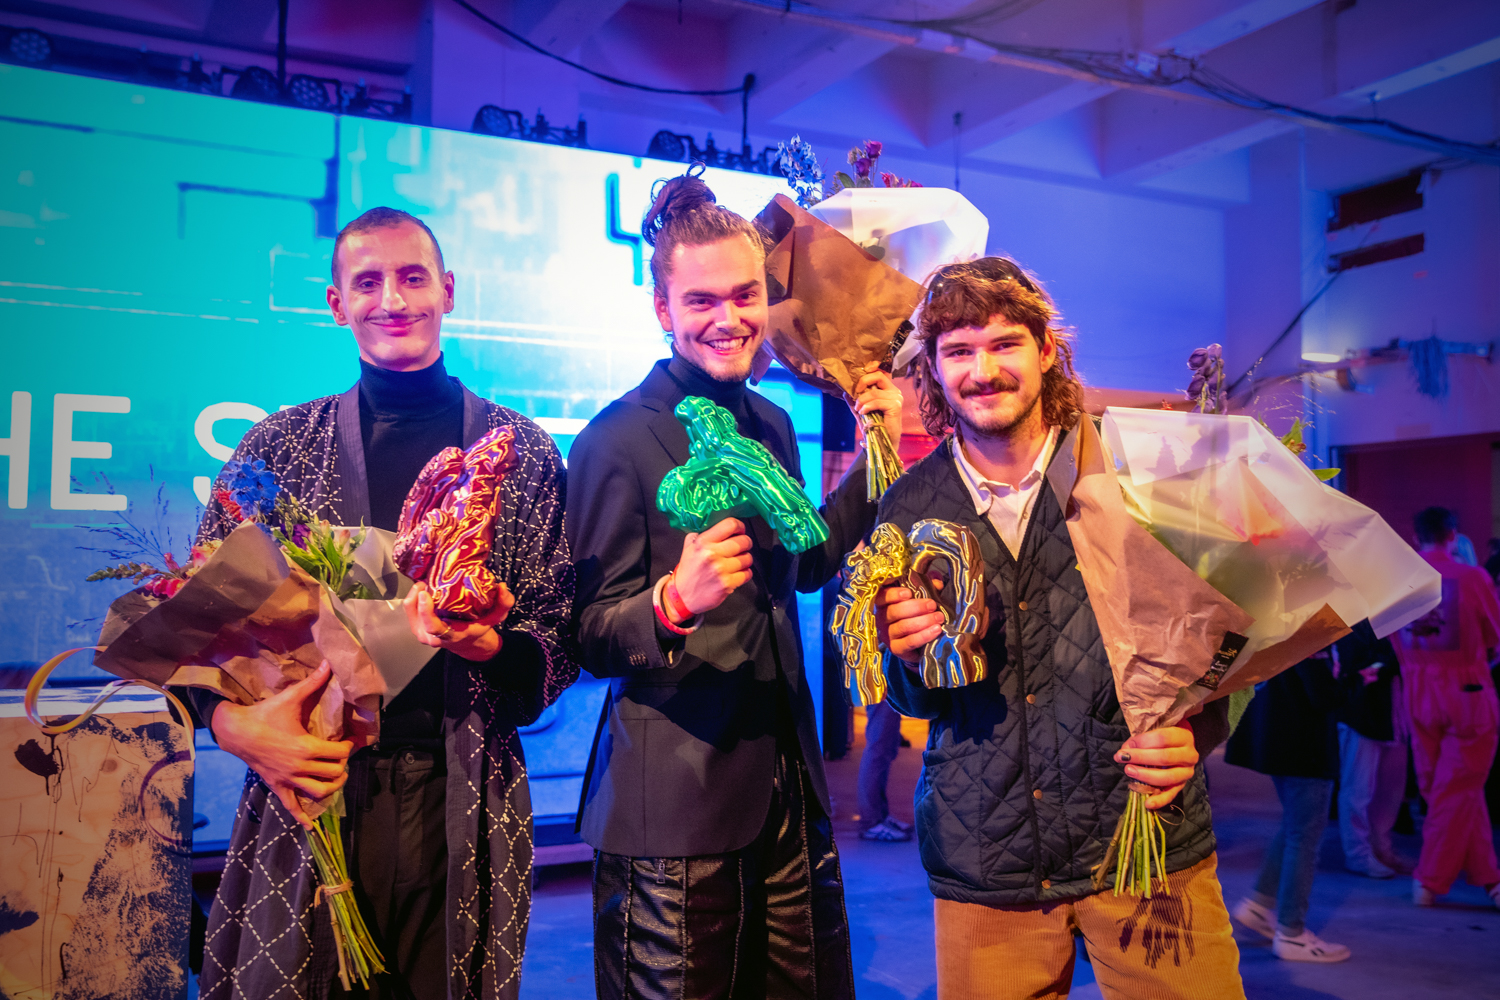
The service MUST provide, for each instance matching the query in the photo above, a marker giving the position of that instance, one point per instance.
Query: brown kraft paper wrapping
(251, 654)
(834, 308)
(1161, 624)
(1319, 632)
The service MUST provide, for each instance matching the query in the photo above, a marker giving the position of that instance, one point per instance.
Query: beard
(725, 371)
(989, 423)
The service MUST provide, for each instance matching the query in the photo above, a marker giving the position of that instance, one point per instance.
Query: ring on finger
(445, 633)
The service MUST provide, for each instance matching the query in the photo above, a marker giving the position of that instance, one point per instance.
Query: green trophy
(729, 475)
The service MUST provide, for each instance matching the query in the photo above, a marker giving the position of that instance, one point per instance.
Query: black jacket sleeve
(610, 536)
(909, 696)
(850, 517)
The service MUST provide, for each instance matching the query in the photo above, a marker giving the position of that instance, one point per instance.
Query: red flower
(227, 502)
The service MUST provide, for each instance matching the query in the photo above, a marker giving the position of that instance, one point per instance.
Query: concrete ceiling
(842, 70)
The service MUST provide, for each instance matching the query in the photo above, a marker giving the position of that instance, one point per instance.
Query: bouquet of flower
(1214, 559)
(837, 314)
(249, 616)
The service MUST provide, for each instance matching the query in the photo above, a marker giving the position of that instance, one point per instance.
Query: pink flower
(889, 179)
(873, 149)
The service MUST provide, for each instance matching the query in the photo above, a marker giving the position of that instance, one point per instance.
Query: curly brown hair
(973, 294)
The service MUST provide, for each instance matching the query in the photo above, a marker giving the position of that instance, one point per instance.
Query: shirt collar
(982, 491)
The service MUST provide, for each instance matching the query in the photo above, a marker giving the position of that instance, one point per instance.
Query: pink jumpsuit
(1455, 721)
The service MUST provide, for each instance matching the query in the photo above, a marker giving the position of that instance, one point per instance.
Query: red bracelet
(666, 622)
(657, 596)
(679, 607)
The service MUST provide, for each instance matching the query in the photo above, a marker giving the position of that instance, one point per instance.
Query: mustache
(716, 333)
(1002, 382)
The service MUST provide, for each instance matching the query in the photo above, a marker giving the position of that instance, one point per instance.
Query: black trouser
(764, 921)
(398, 844)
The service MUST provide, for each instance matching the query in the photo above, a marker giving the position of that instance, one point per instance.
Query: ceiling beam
(240, 21)
(567, 23)
(1327, 61)
(1166, 27)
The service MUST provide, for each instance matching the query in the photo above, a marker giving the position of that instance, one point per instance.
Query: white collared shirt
(1007, 506)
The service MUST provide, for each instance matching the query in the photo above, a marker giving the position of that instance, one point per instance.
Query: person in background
(882, 741)
(1492, 562)
(1288, 732)
(1373, 745)
(1463, 550)
(1455, 718)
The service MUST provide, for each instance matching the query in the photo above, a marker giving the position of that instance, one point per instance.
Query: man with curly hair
(1025, 774)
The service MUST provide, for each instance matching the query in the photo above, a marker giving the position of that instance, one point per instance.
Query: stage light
(491, 120)
(1322, 359)
(309, 92)
(256, 84)
(30, 47)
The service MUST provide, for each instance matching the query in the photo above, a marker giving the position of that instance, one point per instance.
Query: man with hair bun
(439, 813)
(1025, 774)
(716, 873)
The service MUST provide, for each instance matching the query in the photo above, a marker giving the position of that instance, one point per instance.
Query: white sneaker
(1421, 895)
(1371, 868)
(1256, 917)
(1307, 947)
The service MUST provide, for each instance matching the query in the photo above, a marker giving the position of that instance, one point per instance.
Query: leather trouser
(766, 921)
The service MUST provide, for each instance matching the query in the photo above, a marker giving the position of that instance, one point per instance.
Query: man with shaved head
(439, 816)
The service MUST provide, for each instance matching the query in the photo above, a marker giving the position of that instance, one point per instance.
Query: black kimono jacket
(683, 760)
(265, 941)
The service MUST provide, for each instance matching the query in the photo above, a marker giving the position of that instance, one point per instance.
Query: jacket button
(1022, 605)
(1046, 883)
(1031, 699)
(1037, 794)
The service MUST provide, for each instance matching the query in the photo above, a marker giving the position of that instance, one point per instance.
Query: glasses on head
(991, 268)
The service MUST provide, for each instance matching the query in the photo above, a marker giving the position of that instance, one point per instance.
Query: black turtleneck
(694, 381)
(405, 418)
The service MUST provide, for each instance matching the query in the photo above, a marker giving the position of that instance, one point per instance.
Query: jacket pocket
(949, 807)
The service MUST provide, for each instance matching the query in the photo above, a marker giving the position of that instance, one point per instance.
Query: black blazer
(682, 762)
(1288, 728)
(1367, 708)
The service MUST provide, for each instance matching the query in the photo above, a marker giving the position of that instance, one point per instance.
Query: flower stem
(883, 463)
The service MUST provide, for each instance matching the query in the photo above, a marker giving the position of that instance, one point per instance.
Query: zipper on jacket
(661, 871)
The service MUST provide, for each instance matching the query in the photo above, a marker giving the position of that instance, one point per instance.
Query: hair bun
(675, 198)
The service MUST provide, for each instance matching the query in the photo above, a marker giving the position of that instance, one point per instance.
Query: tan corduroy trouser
(1178, 946)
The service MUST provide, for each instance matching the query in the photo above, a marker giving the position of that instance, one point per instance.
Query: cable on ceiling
(743, 89)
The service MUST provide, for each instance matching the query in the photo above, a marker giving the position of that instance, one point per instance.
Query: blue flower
(252, 486)
(799, 165)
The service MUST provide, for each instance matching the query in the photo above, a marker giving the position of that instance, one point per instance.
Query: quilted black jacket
(1019, 793)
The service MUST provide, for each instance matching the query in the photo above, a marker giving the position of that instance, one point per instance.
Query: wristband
(679, 607)
(661, 614)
